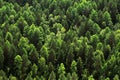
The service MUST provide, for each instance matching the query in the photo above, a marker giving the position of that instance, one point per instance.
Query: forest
(59, 39)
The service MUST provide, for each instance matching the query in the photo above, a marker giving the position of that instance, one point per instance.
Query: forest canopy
(59, 39)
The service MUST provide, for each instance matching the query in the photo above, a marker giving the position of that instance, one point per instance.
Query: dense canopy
(59, 39)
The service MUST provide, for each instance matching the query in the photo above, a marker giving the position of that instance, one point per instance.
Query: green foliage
(42, 65)
(95, 28)
(34, 69)
(36, 35)
(12, 77)
(94, 16)
(18, 60)
(1, 57)
(69, 77)
(94, 39)
(74, 76)
(61, 69)
(116, 77)
(85, 7)
(59, 39)
(9, 37)
(91, 77)
(73, 66)
(18, 64)
(44, 52)
(3, 75)
(62, 77)
(52, 76)
(33, 54)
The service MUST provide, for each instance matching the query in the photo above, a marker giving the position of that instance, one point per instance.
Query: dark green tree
(74, 76)
(1, 57)
(52, 76)
(33, 54)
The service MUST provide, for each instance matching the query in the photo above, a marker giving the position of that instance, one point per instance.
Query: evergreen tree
(52, 76)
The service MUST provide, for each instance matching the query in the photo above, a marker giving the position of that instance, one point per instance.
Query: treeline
(59, 39)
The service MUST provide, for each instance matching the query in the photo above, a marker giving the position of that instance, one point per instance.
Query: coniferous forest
(59, 39)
